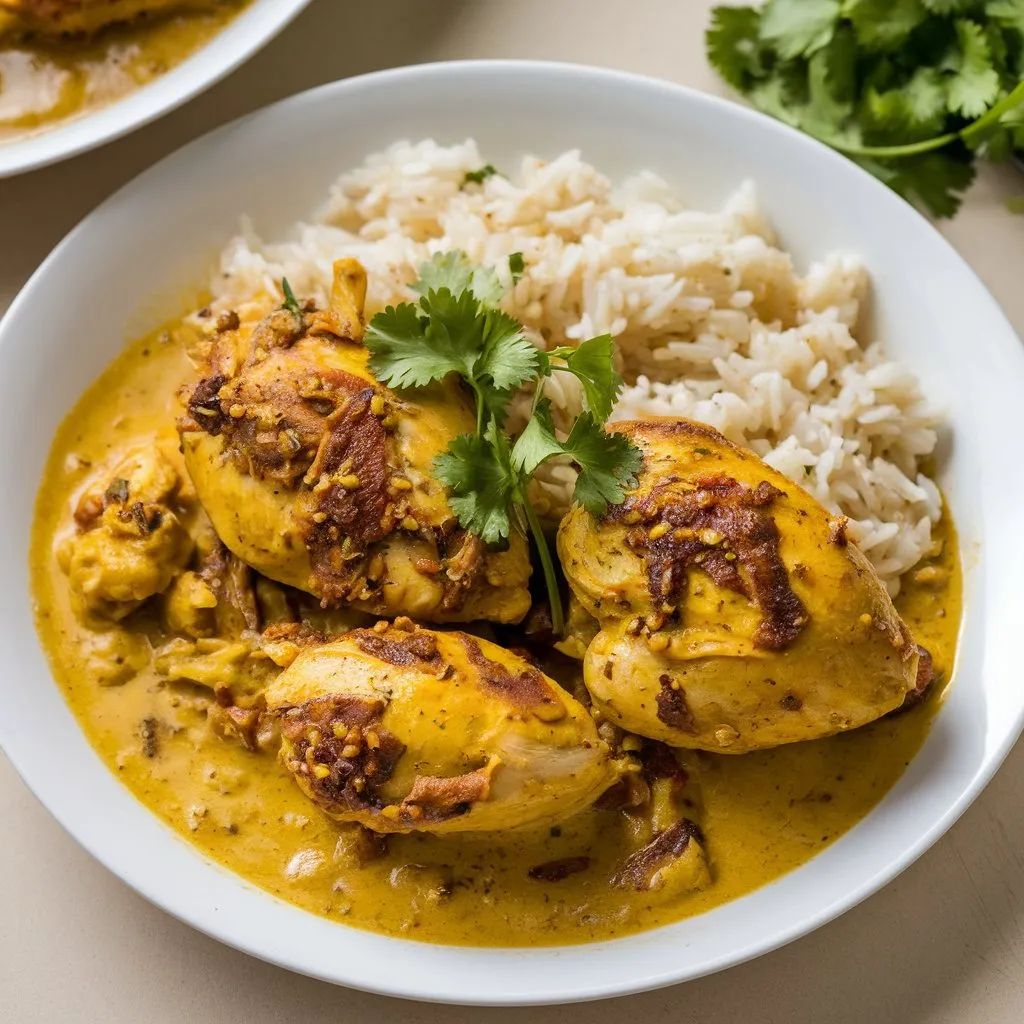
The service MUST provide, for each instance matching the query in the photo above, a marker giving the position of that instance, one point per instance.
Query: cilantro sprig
(455, 327)
(913, 90)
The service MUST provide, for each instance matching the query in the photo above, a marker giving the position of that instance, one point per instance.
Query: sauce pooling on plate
(155, 684)
(61, 61)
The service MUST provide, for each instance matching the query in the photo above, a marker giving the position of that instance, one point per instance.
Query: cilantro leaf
(1007, 13)
(975, 85)
(593, 364)
(797, 28)
(507, 357)
(481, 484)
(823, 114)
(516, 266)
(408, 349)
(884, 24)
(608, 464)
(538, 441)
(399, 354)
(734, 46)
(913, 111)
(950, 6)
(454, 328)
(478, 177)
(936, 181)
(454, 271)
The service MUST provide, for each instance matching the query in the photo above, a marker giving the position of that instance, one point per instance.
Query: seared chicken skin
(321, 478)
(400, 728)
(734, 613)
(59, 17)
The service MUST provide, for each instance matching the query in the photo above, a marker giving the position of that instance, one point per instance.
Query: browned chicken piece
(734, 613)
(320, 478)
(661, 808)
(130, 542)
(404, 729)
(74, 17)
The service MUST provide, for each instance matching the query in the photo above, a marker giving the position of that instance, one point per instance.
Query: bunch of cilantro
(456, 328)
(913, 90)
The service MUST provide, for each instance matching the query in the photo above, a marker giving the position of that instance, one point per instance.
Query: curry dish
(259, 604)
(62, 59)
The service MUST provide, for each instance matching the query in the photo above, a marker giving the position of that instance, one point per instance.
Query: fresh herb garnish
(478, 177)
(516, 266)
(913, 90)
(454, 327)
(290, 302)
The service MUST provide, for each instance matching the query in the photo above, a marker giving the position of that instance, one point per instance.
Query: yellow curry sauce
(762, 813)
(48, 80)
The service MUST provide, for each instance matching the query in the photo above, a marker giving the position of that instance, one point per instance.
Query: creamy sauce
(763, 813)
(45, 82)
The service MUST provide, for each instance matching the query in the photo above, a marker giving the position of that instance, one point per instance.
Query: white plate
(158, 234)
(229, 48)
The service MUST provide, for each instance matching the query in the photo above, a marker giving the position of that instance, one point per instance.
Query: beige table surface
(943, 943)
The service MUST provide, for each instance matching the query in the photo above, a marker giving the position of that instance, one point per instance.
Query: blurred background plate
(229, 48)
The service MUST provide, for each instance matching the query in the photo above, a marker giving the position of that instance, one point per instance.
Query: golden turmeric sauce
(763, 813)
(47, 81)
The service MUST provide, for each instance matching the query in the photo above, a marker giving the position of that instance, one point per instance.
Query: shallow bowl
(125, 269)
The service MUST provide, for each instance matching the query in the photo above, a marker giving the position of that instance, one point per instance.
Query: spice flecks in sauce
(763, 813)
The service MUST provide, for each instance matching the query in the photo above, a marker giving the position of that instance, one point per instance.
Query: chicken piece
(130, 542)
(320, 478)
(734, 613)
(660, 805)
(400, 729)
(85, 17)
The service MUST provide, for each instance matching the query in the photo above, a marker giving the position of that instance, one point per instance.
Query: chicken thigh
(734, 613)
(321, 478)
(400, 728)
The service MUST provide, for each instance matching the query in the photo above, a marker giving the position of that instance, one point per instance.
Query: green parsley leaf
(516, 266)
(481, 484)
(797, 28)
(478, 177)
(735, 49)
(975, 85)
(290, 302)
(608, 464)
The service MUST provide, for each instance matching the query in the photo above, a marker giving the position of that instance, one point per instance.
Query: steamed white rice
(711, 318)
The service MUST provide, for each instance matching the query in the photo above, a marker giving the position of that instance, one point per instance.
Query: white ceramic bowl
(123, 269)
(238, 41)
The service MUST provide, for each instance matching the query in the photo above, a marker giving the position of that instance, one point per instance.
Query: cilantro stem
(550, 577)
(990, 117)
